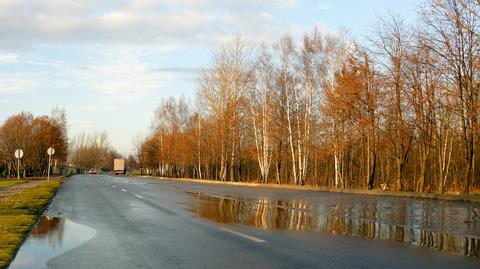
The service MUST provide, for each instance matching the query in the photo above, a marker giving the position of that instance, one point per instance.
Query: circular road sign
(50, 151)
(18, 153)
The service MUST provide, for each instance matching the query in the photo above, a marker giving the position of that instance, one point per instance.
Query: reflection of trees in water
(301, 216)
(51, 229)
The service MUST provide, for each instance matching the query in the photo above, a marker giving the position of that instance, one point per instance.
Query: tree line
(93, 151)
(34, 135)
(400, 112)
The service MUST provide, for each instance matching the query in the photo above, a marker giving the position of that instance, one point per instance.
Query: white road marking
(246, 236)
(114, 186)
(124, 190)
(138, 196)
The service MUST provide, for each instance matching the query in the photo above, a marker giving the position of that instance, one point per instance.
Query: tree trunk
(420, 186)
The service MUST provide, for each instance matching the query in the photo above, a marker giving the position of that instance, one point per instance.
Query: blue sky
(109, 63)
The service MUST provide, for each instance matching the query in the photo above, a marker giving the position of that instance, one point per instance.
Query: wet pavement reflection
(451, 227)
(50, 237)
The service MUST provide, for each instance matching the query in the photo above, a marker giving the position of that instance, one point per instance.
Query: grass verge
(9, 183)
(18, 212)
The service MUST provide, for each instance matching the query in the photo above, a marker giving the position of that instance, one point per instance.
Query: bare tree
(453, 33)
(222, 89)
(262, 113)
(392, 44)
(337, 53)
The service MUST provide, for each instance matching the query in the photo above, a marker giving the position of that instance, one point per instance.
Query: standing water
(50, 237)
(445, 226)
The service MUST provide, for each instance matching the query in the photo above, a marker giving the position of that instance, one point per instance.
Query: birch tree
(262, 113)
(221, 92)
(337, 50)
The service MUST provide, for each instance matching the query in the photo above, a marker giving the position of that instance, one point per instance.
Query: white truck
(119, 166)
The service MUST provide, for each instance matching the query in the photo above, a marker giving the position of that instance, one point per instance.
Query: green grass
(10, 182)
(17, 215)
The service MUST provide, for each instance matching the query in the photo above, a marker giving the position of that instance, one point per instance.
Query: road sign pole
(50, 152)
(18, 154)
(49, 164)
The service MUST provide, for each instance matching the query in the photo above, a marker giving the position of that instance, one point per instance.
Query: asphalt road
(171, 224)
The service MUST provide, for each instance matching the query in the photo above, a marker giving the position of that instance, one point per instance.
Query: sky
(110, 62)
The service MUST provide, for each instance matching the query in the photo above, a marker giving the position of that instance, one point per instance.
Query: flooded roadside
(50, 237)
(451, 228)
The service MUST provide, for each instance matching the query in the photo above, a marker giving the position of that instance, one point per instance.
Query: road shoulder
(475, 198)
(20, 207)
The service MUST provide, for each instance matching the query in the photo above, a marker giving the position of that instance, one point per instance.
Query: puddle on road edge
(301, 216)
(50, 237)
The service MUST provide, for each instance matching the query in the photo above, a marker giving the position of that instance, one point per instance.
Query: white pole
(49, 164)
(18, 168)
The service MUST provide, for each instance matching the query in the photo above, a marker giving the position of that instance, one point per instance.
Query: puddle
(452, 228)
(51, 237)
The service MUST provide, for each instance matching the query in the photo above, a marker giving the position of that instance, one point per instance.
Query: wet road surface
(120, 222)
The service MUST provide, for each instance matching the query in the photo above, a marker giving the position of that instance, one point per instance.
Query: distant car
(92, 171)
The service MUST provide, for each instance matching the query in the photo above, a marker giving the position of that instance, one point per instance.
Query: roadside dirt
(5, 193)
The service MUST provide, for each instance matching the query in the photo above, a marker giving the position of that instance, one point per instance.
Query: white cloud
(25, 23)
(119, 18)
(8, 58)
(16, 83)
(121, 76)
